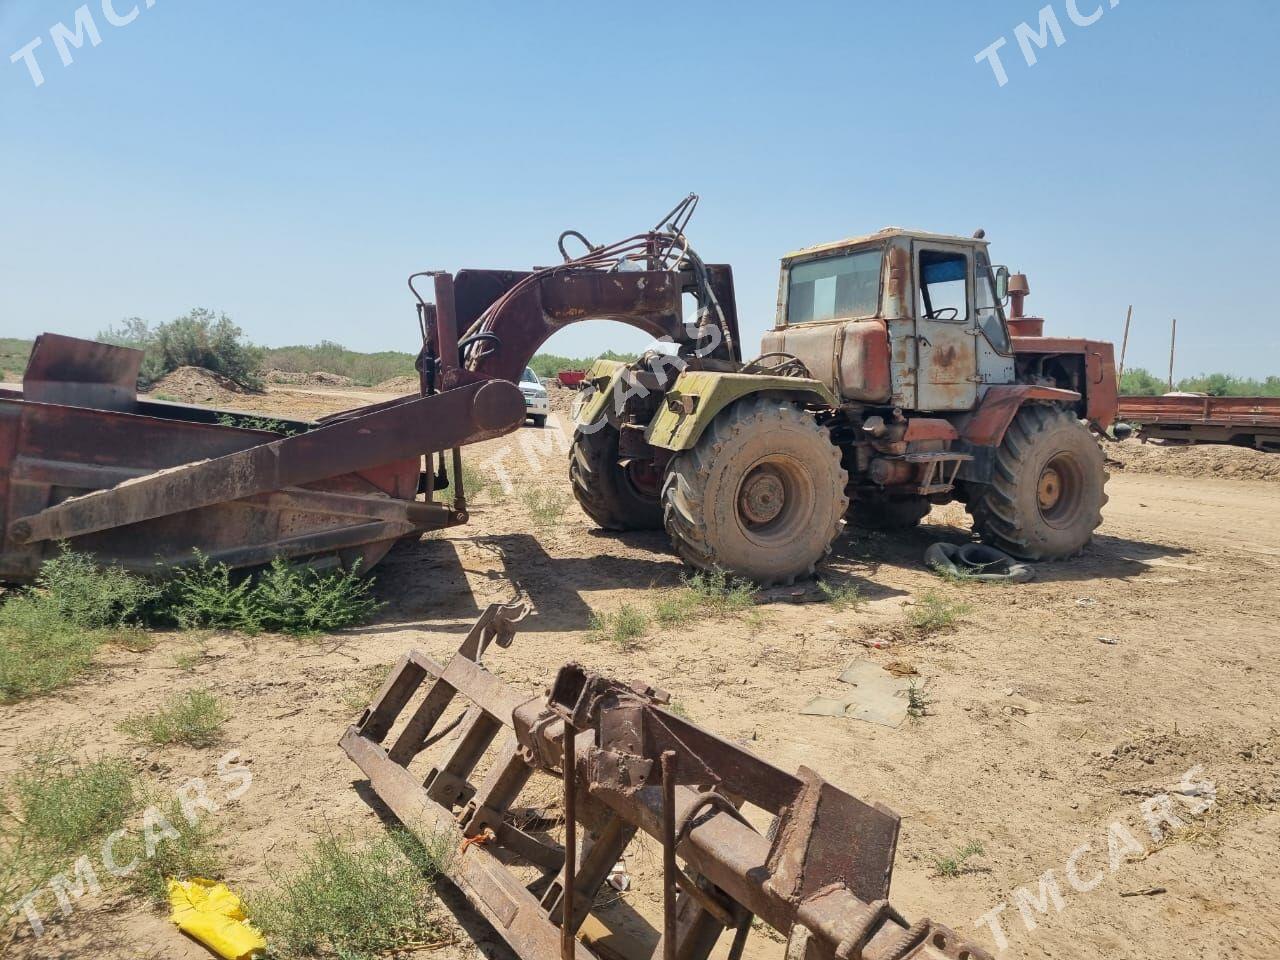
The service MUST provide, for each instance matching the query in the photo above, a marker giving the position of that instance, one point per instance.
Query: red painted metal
(1001, 404)
(145, 484)
(1087, 366)
(1242, 421)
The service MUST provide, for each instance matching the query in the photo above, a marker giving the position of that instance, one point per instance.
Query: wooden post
(1124, 345)
(1173, 340)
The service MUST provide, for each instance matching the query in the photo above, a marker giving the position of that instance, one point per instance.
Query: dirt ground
(1056, 708)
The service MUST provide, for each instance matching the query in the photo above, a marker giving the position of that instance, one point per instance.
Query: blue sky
(291, 162)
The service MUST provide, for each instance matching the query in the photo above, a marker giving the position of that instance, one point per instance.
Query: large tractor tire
(760, 496)
(878, 512)
(1049, 487)
(614, 496)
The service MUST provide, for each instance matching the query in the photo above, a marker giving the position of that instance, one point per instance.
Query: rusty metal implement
(819, 875)
(144, 483)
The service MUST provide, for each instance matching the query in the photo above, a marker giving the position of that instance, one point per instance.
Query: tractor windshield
(842, 286)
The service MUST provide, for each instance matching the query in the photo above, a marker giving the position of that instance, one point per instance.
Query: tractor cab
(897, 317)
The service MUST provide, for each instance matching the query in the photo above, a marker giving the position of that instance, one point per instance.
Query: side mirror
(1002, 282)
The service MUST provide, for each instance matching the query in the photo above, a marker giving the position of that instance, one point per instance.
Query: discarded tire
(976, 561)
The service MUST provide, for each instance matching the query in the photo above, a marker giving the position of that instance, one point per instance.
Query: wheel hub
(762, 496)
(1049, 489)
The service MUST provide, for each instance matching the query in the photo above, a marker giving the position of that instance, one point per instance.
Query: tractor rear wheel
(760, 496)
(1046, 497)
(615, 496)
(878, 512)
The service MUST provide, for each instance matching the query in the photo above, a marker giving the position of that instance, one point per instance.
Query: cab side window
(943, 292)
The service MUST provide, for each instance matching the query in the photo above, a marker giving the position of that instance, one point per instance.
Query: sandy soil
(1195, 460)
(1039, 736)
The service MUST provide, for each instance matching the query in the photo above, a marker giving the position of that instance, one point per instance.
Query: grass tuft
(955, 864)
(194, 718)
(353, 900)
(720, 594)
(546, 506)
(65, 803)
(919, 700)
(185, 850)
(363, 684)
(55, 808)
(622, 627)
(676, 608)
(933, 612)
(843, 596)
(40, 650)
(477, 485)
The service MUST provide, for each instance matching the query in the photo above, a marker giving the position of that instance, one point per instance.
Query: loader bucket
(818, 873)
(143, 483)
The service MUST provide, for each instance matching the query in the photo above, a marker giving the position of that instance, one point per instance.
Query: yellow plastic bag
(212, 914)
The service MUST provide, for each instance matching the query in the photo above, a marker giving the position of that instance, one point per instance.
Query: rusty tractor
(818, 871)
(892, 380)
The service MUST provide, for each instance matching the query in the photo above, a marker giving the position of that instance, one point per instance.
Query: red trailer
(1242, 421)
(571, 378)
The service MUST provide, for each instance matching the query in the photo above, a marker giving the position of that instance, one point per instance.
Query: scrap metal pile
(819, 875)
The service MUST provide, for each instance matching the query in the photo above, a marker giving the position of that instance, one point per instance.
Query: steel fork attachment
(820, 875)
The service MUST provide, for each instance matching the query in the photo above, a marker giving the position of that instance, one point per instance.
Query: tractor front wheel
(760, 496)
(1046, 497)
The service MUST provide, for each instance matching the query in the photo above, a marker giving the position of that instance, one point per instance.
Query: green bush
(365, 369)
(65, 804)
(201, 338)
(50, 632)
(302, 600)
(206, 594)
(283, 598)
(353, 900)
(191, 853)
(39, 649)
(1141, 383)
(547, 365)
(93, 596)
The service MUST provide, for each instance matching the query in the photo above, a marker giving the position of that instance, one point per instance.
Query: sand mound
(1196, 460)
(197, 385)
(398, 385)
(318, 378)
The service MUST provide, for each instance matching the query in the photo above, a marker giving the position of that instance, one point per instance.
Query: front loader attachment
(144, 484)
(818, 873)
